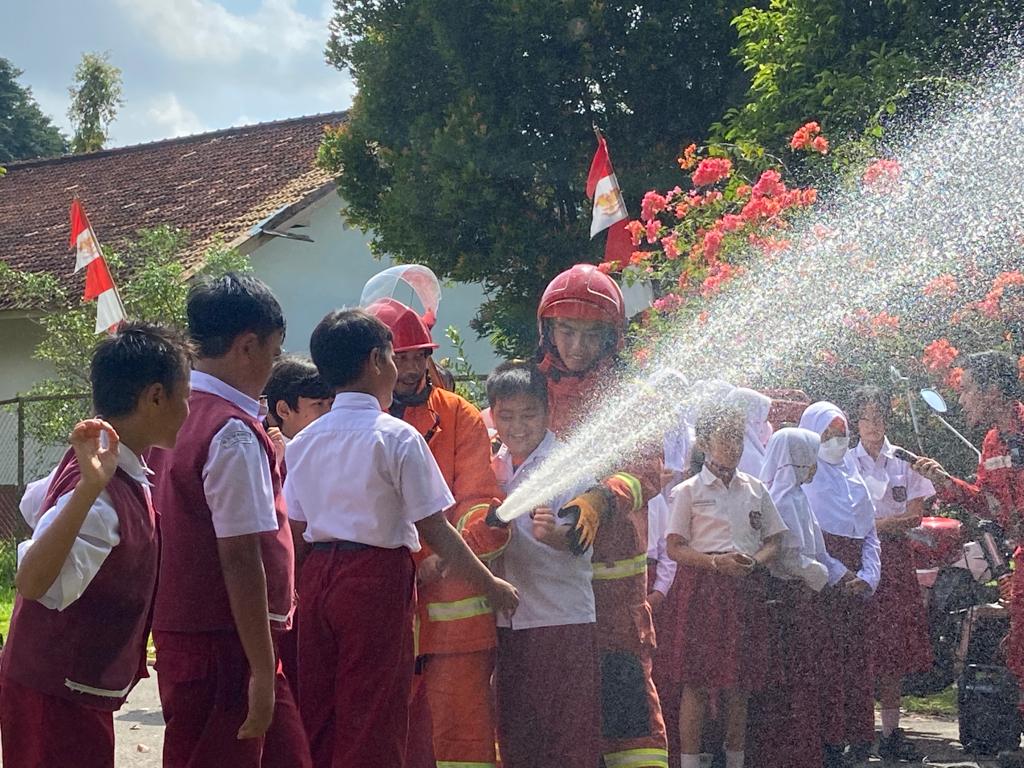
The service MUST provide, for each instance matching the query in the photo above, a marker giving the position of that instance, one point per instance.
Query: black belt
(339, 546)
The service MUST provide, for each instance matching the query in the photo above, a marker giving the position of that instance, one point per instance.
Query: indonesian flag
(99, 284)
(609, 207)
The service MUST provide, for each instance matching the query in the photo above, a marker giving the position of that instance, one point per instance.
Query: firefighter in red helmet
(456, 625)
(582, 323)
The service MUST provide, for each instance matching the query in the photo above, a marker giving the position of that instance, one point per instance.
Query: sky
(188, 66)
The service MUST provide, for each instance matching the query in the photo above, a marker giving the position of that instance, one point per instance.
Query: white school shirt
(32, 499)
(97, 537)
(890, 481)
(554, 586)
(359, 474)
(657, 546)
(713, 517)
(236, 476)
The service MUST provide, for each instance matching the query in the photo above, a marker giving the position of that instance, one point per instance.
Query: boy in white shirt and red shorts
(362, 488)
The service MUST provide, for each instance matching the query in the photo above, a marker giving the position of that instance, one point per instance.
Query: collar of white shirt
(355, 400)
(710, 478)
(543, 449)
(133, 466)
(204, 382)
(885, 453)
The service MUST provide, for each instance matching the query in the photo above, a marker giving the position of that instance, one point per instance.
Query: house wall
(310, 279)
(18, 369)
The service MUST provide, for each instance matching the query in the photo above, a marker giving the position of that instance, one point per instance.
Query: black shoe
(834, 757)
(858, 753)
(898, 748)
(1010, 758)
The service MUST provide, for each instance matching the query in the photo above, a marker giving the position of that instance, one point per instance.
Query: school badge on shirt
(899, 493)
(755, 519)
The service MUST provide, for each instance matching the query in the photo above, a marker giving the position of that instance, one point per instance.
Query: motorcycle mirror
(934, 400)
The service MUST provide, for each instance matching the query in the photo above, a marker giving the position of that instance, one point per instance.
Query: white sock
(733, 759)
(890, 721)
(689, 761)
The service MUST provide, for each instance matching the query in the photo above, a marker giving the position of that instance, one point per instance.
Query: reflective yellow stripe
(459, 609)
(621, 569)
(459, 526)
(463, 764)
(634, 488)
(637, 758)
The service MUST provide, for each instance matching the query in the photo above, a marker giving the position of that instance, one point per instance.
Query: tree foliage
(844, 63)
(95, 99)
(153, 285)
(25, 132)
(468, 143)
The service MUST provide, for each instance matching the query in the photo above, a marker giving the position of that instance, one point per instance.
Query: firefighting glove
(585, 514)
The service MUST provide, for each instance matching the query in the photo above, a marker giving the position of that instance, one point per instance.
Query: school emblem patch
(755, 519)
(899, 493)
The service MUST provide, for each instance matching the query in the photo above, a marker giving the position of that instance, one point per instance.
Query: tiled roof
(210, 184)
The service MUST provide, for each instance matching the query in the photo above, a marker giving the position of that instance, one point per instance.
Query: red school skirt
(899, 636)
(713, 631)
(844, 670)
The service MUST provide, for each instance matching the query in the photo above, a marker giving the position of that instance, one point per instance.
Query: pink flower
(636, 231)
(769, 185)
(711, 170)
(820, 145)
(719, 275)
(668, 303)
(653, 227)
(608, 266)
(668, 243)
(689, 157)
(943, 285)
(731, 222)
(712, 244)
(652, 204)
(939, 355)
(882, 175)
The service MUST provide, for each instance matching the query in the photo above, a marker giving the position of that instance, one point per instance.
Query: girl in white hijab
(842, 505)
(757, 407)
(785, 720)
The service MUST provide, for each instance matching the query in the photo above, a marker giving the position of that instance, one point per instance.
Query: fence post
(21, 443)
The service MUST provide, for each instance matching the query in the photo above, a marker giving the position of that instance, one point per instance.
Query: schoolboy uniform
(899, 633)
(221, 480)
(712, 642)
(359, 479)
(73, 656)
(550, 638)
(661, 569)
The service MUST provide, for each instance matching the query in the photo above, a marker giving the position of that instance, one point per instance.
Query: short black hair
(993, 369)
(716, 417)
(222, 309)
(867, 395)
(294, 377)
(517, 378)
(342, 342)
(137, 356)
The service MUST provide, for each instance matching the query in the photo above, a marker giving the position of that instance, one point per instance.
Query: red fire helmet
(407, 328)
(583, 292)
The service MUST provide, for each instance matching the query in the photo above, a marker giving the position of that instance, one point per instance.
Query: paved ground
(139, 732)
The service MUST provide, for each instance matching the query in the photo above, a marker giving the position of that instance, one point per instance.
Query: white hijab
(788, 449)
(757, 407)
(678, 444)
(838, 496)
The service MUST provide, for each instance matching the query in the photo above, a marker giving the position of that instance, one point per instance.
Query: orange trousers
(457, 689)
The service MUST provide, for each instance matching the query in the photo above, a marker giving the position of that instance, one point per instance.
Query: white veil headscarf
(757, 407)
(838, 495)
(678, 444)
(803, 548)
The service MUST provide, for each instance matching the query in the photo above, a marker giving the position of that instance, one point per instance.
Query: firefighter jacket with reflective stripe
(453, 618)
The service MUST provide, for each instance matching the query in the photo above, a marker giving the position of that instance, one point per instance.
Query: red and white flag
(609, 207)
(99, 284)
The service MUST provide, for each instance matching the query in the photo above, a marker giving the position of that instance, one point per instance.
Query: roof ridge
(30, 163)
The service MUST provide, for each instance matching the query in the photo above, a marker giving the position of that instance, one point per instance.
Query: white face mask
(834, 449)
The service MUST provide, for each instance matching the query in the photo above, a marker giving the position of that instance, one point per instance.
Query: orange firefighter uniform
(632, 727)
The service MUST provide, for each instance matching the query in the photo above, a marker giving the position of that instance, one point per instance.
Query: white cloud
(167, 114)
(204, 30)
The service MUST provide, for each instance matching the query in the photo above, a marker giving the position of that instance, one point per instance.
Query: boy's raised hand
(503, 597)
(97, 463)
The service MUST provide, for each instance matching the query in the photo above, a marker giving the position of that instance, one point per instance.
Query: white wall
(311, 279)
(18, 369)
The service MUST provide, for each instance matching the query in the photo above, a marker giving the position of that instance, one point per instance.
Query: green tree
(467, 146)
(153, 283)
(95, 98)
(844, 63)
(25, 132)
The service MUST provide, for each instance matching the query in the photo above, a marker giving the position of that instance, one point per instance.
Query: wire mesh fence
(25, 453)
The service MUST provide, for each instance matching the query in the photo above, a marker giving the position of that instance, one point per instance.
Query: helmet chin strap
(399, 404)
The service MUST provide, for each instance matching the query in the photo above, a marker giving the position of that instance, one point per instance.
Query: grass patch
(942, 703)
(8, 565)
